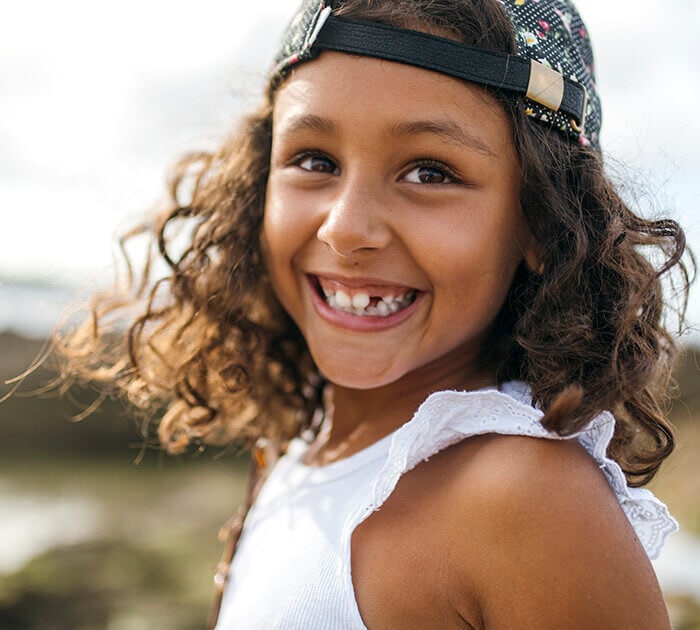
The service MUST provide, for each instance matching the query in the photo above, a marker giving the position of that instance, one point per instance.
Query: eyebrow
(449, 130)
(309, 122)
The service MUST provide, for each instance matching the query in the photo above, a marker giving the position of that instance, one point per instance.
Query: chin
(359, 379)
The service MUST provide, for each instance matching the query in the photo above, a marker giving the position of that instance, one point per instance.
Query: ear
(531, 255)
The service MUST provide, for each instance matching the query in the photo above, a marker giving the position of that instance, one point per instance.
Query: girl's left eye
(430, 174)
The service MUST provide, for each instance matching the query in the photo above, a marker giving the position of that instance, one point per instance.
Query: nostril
(354, 221)
(348, 240)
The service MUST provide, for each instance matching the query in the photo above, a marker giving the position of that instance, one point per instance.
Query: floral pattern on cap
(553, 33)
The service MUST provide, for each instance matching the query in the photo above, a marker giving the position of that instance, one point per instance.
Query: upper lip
(361, 281)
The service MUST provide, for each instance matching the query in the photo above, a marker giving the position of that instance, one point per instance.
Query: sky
(97, 100)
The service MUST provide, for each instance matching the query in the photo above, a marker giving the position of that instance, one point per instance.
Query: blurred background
(96, 102)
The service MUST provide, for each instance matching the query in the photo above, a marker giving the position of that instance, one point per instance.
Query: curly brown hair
(208, 342)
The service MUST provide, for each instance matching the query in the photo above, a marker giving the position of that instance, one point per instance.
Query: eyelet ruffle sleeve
(446, 418)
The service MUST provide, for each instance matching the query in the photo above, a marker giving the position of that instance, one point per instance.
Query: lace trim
(446, 418)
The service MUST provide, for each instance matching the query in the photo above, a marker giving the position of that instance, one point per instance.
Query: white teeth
(360, 301)
(343, 299)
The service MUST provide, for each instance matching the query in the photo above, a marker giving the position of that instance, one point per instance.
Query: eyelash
(449, 174)
(305, 155)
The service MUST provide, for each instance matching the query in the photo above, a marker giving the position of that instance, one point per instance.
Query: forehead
(350, 91)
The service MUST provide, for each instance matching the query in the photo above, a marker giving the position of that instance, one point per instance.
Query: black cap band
(497, 70)
(552, 69)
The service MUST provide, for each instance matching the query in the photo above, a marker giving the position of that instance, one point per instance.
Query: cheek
(276, 257)
(282, 238)
(277, 229)
(472, 267)
(286, 217)
(472, 248)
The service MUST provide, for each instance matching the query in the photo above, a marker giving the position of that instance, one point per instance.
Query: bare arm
(549, 546)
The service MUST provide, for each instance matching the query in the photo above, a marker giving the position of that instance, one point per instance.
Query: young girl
(409, 278)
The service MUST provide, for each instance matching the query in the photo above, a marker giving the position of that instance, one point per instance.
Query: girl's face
(392, 225)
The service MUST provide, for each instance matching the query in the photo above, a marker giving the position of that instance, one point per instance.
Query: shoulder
(527, 484)
(517, 468)
(539, 539)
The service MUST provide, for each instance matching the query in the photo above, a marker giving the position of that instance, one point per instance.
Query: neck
(361, 417)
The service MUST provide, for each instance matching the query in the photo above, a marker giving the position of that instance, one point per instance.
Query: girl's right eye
(316, 163)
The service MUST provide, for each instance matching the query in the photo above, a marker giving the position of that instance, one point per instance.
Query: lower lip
(360, 323)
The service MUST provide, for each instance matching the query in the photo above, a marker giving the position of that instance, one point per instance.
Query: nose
(355, 220)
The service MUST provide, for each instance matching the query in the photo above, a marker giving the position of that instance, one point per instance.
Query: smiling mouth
(370, 301)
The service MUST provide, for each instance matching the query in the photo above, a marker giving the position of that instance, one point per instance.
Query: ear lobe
(531, 256)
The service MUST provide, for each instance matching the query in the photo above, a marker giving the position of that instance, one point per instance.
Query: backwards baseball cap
(553, 69)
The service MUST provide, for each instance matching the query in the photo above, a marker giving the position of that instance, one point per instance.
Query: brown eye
(427, 174)
(318, 164)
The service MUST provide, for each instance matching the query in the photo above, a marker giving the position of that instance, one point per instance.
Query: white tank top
(292, 567)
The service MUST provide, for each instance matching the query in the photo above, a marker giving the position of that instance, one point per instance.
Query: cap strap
(498, 70)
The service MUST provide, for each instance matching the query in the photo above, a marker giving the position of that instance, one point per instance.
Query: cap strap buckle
(545, 86)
